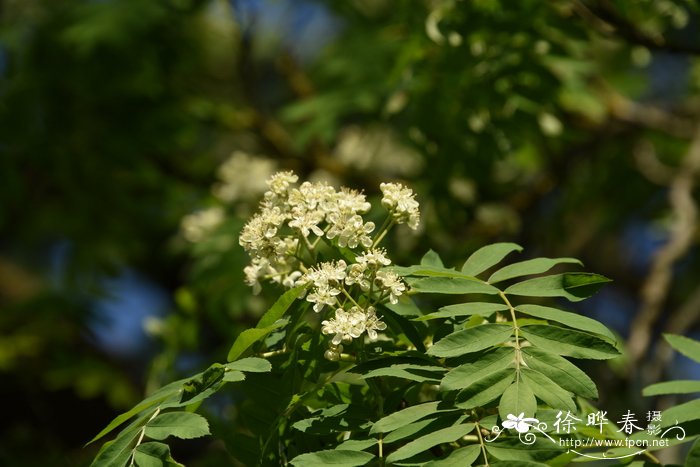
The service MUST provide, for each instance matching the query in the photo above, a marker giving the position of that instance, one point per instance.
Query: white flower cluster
(282, 239)
(196, 226)
(348, 325)
(400, 201)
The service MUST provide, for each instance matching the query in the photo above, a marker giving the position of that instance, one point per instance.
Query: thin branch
(658, 282)
(604, 17)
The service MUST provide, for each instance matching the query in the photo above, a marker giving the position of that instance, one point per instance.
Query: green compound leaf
(336, 457)
(688, 347)
(568, 342)
(154, 455)
(516, 399)
(465, 309)
(485, 390)
(471, 340)
(405, 416)
(528, 268)
(672, 387)
(450, 285)
(116, 453)
(424, 443)
(566, 374)
(488, 256)
(185, 425)
(574, 286)
(167, 392)
(548, 391)
(571, 320)
(270, 321)
(465, 375)
(458, 458)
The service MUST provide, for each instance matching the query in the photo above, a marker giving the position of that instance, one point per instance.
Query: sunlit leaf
(672, 387)
(548, 391)
(424, 443)
(528, 267)
(566, 374)
(337, 458)
(571, 320)
(465, 309)
(451, 285)
(573, 286)
(471, 340)
(568, 342)
(516, 399)
(183, 425)
(465, 375)
(688, 347)
(488, 256)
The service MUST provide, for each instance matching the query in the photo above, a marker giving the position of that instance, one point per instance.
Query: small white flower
(392, 283)
(322, 296)
(520, 423)
(280, 182)
(373, 323)
(346, 325)
(375, 257)
(357, 275)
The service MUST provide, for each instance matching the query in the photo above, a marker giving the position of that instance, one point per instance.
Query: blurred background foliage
(135, 138)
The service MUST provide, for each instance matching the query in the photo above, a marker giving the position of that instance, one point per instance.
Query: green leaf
(574, 286)
(514, 453)
(270, 321)
(488, 256)
(566, 374)
(688, 347)
(185, 425)
(209, 379)
(485, 390)
(569, 342)
(424, 443)
(529, 267)
(117, 452)
(693, 457)
(154, 455)
(249, 337)
(516, 399)
(458, 458)
(336, 457)
(450, 285)
(432, 259)
(408, 328)
(465, 309)
(357, 444)
(681, 413)
(571, 320)
(251, 365)
(419, 373)
(157, 397)
(672, 387)
(405, 307)
(233, 376)
(471, 340)
(465, 375)
(548, 391)
(404, 417)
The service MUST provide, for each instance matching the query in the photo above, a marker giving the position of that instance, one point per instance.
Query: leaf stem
(141, 435)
